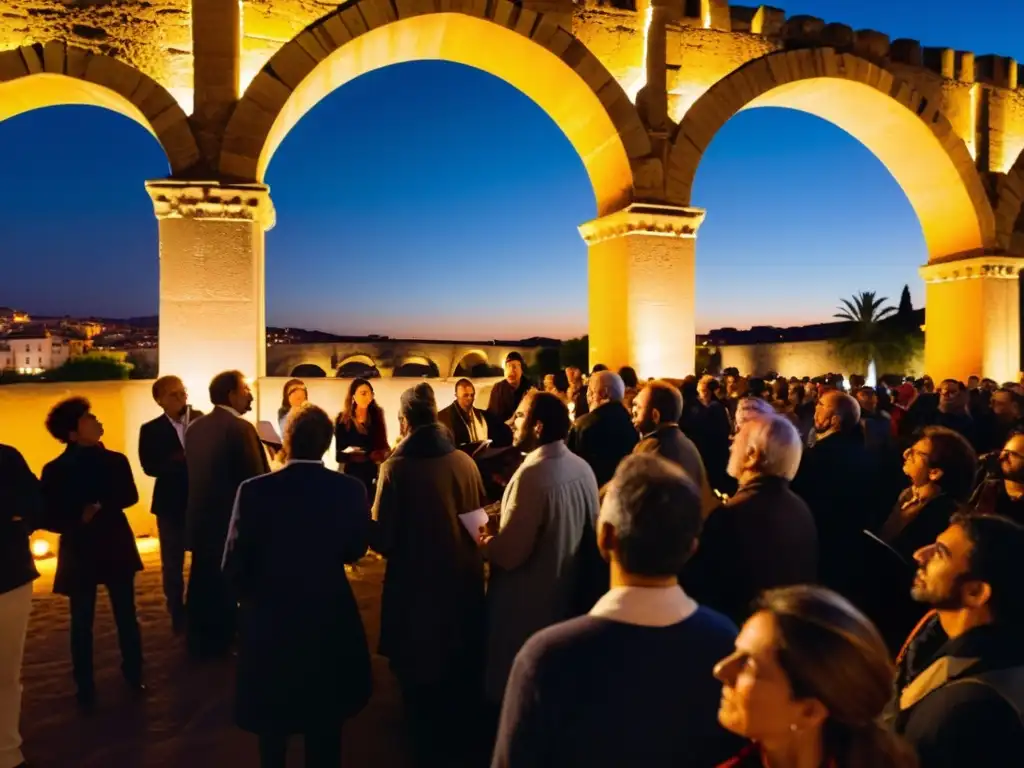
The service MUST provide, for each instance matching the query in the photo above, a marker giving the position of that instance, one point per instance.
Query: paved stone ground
(185, 719)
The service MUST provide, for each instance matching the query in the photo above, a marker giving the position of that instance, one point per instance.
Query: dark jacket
(453, 418)
(101, 551)
(20, 508)
(669, 442)
(966, 710)
(163, 456)
(221, 452)
(836, 479)
(303, 661)
(432, 607)
(603, 437)
(504, 400)
(764, 537)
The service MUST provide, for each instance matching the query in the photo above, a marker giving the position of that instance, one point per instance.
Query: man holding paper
(432, 610)
(548, 515)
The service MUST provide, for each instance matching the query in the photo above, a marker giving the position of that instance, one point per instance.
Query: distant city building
(34, 349)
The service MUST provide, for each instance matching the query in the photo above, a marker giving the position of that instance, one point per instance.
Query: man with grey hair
(765, 536)
(605, 689)
(432, 610)
(606, 435)
(837, 478)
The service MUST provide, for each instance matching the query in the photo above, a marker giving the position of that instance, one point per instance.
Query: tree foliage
(891, 345)
(575, 353)
(90, 368)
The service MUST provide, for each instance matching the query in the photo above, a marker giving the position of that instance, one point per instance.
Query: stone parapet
(212, 201)
(993, 267)
(644, 219)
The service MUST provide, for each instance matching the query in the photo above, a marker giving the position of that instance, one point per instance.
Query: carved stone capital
(991, 267)
(210, 200)
(649, 219)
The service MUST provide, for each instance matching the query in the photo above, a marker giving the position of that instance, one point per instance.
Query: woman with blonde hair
(807, 684)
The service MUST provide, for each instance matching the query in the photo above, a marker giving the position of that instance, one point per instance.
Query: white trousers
(15, 607)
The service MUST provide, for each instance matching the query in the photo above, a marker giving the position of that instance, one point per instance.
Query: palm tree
(868, 340)
(865, 308)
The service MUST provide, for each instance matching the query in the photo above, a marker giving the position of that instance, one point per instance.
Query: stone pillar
(212, 303)
(641, 267)
(216, 46)
(972, 317)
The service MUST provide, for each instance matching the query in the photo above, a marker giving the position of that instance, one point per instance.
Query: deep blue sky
(433, 200)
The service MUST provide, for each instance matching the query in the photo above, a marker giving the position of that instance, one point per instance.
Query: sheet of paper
(474, 521)
(268, 434)
(353, 449)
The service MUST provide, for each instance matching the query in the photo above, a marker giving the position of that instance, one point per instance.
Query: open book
(268, 435)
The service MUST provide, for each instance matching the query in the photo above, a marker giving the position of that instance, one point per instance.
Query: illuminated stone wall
(795, 358)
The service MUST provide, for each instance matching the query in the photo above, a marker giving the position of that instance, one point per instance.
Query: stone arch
(55, 73)
(356, 359)
(882, 111)
(408, 363)
(308, 371)
(527, 50)
(1009, 211)
(470, 359)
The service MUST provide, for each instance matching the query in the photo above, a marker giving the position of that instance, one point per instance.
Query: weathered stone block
(1000, 71)
(180, 145)
(377, 13)
(409, 8)
(12, 65)
(54, 57)
(33, 61)
(312, 46)
(292, 64)
(77, 61)
(871, 44)
(904, 51)
(768, 21)
(112, 74)
(250, 126)
(504, 13)
(801, 31)
(526, 22)
(268, 92)
(334, 28)
(939, 60)
(585, 64)
(353, 20)
(964, 68)
(742, 18)
(838, 36)
(551, 36)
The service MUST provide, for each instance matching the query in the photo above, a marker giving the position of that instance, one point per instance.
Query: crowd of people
(718, 572)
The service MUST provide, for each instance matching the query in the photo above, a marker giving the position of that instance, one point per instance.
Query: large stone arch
(54, 74)
(1009, 211)
(527, 50)
(906, 131)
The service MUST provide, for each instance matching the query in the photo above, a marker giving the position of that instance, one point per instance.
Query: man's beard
(947, 602)
(526, 441)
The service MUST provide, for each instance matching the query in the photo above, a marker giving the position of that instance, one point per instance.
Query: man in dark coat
(764, 537)
(432, 608)
(86, 490)
(162, 455)
(222, 450)
(960, 687)
(606, 435)
(303, 662)
(467, 423)
(507, 393)
(20, 507)
(656, 412)
(837, 480)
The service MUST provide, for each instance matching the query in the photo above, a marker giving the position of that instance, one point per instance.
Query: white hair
(778, 442)
(750, 408)
(610, 384)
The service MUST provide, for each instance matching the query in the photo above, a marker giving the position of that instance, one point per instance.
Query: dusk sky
(433, 200)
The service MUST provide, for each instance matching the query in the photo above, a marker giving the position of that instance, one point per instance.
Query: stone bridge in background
(391, 357)
(639, 88)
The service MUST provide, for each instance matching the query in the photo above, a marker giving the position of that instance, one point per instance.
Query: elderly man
(764, 537)
(656, 412)
(606, 435)
(836, 479)
(628, 684)
(548, 512)
(432, 609)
